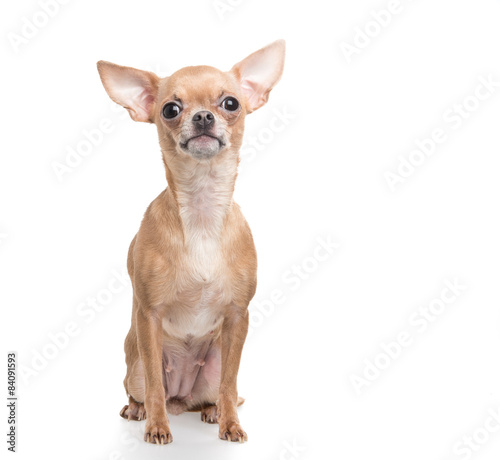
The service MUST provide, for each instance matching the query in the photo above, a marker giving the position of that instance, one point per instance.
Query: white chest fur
(204, 197)
(199, 312)
(204, 201)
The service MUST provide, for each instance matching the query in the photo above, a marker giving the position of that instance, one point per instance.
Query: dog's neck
(203, 191)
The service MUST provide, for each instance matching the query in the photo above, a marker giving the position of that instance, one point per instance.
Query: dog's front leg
(234, 332)
(149, 341)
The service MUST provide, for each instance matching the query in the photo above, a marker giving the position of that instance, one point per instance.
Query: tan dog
(193, 262)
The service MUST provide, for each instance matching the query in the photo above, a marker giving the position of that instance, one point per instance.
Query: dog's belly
(191, 350)
(191, 371)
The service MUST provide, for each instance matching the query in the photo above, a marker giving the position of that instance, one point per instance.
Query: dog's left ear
(259, 73)
(134, 89)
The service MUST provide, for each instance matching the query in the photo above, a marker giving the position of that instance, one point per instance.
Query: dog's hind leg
(134, 410)
(134, 380)
(209, 412)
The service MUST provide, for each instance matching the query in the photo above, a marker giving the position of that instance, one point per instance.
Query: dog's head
(199, 111)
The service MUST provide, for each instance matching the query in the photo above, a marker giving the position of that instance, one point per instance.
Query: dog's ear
(259, 73)
(134, 89)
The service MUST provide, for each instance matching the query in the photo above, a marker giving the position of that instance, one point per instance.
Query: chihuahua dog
(193, 262)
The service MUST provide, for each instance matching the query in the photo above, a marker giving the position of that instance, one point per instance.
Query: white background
(321, 176)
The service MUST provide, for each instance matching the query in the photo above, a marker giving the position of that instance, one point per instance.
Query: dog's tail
(198, 408)
(176, 406)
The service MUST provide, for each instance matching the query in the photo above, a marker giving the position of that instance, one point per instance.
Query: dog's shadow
(192, 439)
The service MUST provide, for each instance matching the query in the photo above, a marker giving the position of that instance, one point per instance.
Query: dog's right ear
(134, 89)
(259, 73)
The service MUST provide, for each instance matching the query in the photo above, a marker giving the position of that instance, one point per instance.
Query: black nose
(203, 119)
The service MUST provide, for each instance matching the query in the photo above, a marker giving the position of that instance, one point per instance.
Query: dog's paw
(232, 431)
(134, 411)
(158, 433)
(209, 414)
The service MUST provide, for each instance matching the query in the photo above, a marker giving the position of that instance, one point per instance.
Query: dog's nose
(203, 119)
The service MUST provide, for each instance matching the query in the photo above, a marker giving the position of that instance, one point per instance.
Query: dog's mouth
(203, 137)
(203, 145)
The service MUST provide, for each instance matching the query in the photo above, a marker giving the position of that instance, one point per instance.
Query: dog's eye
(230, 103)
(171, 110)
